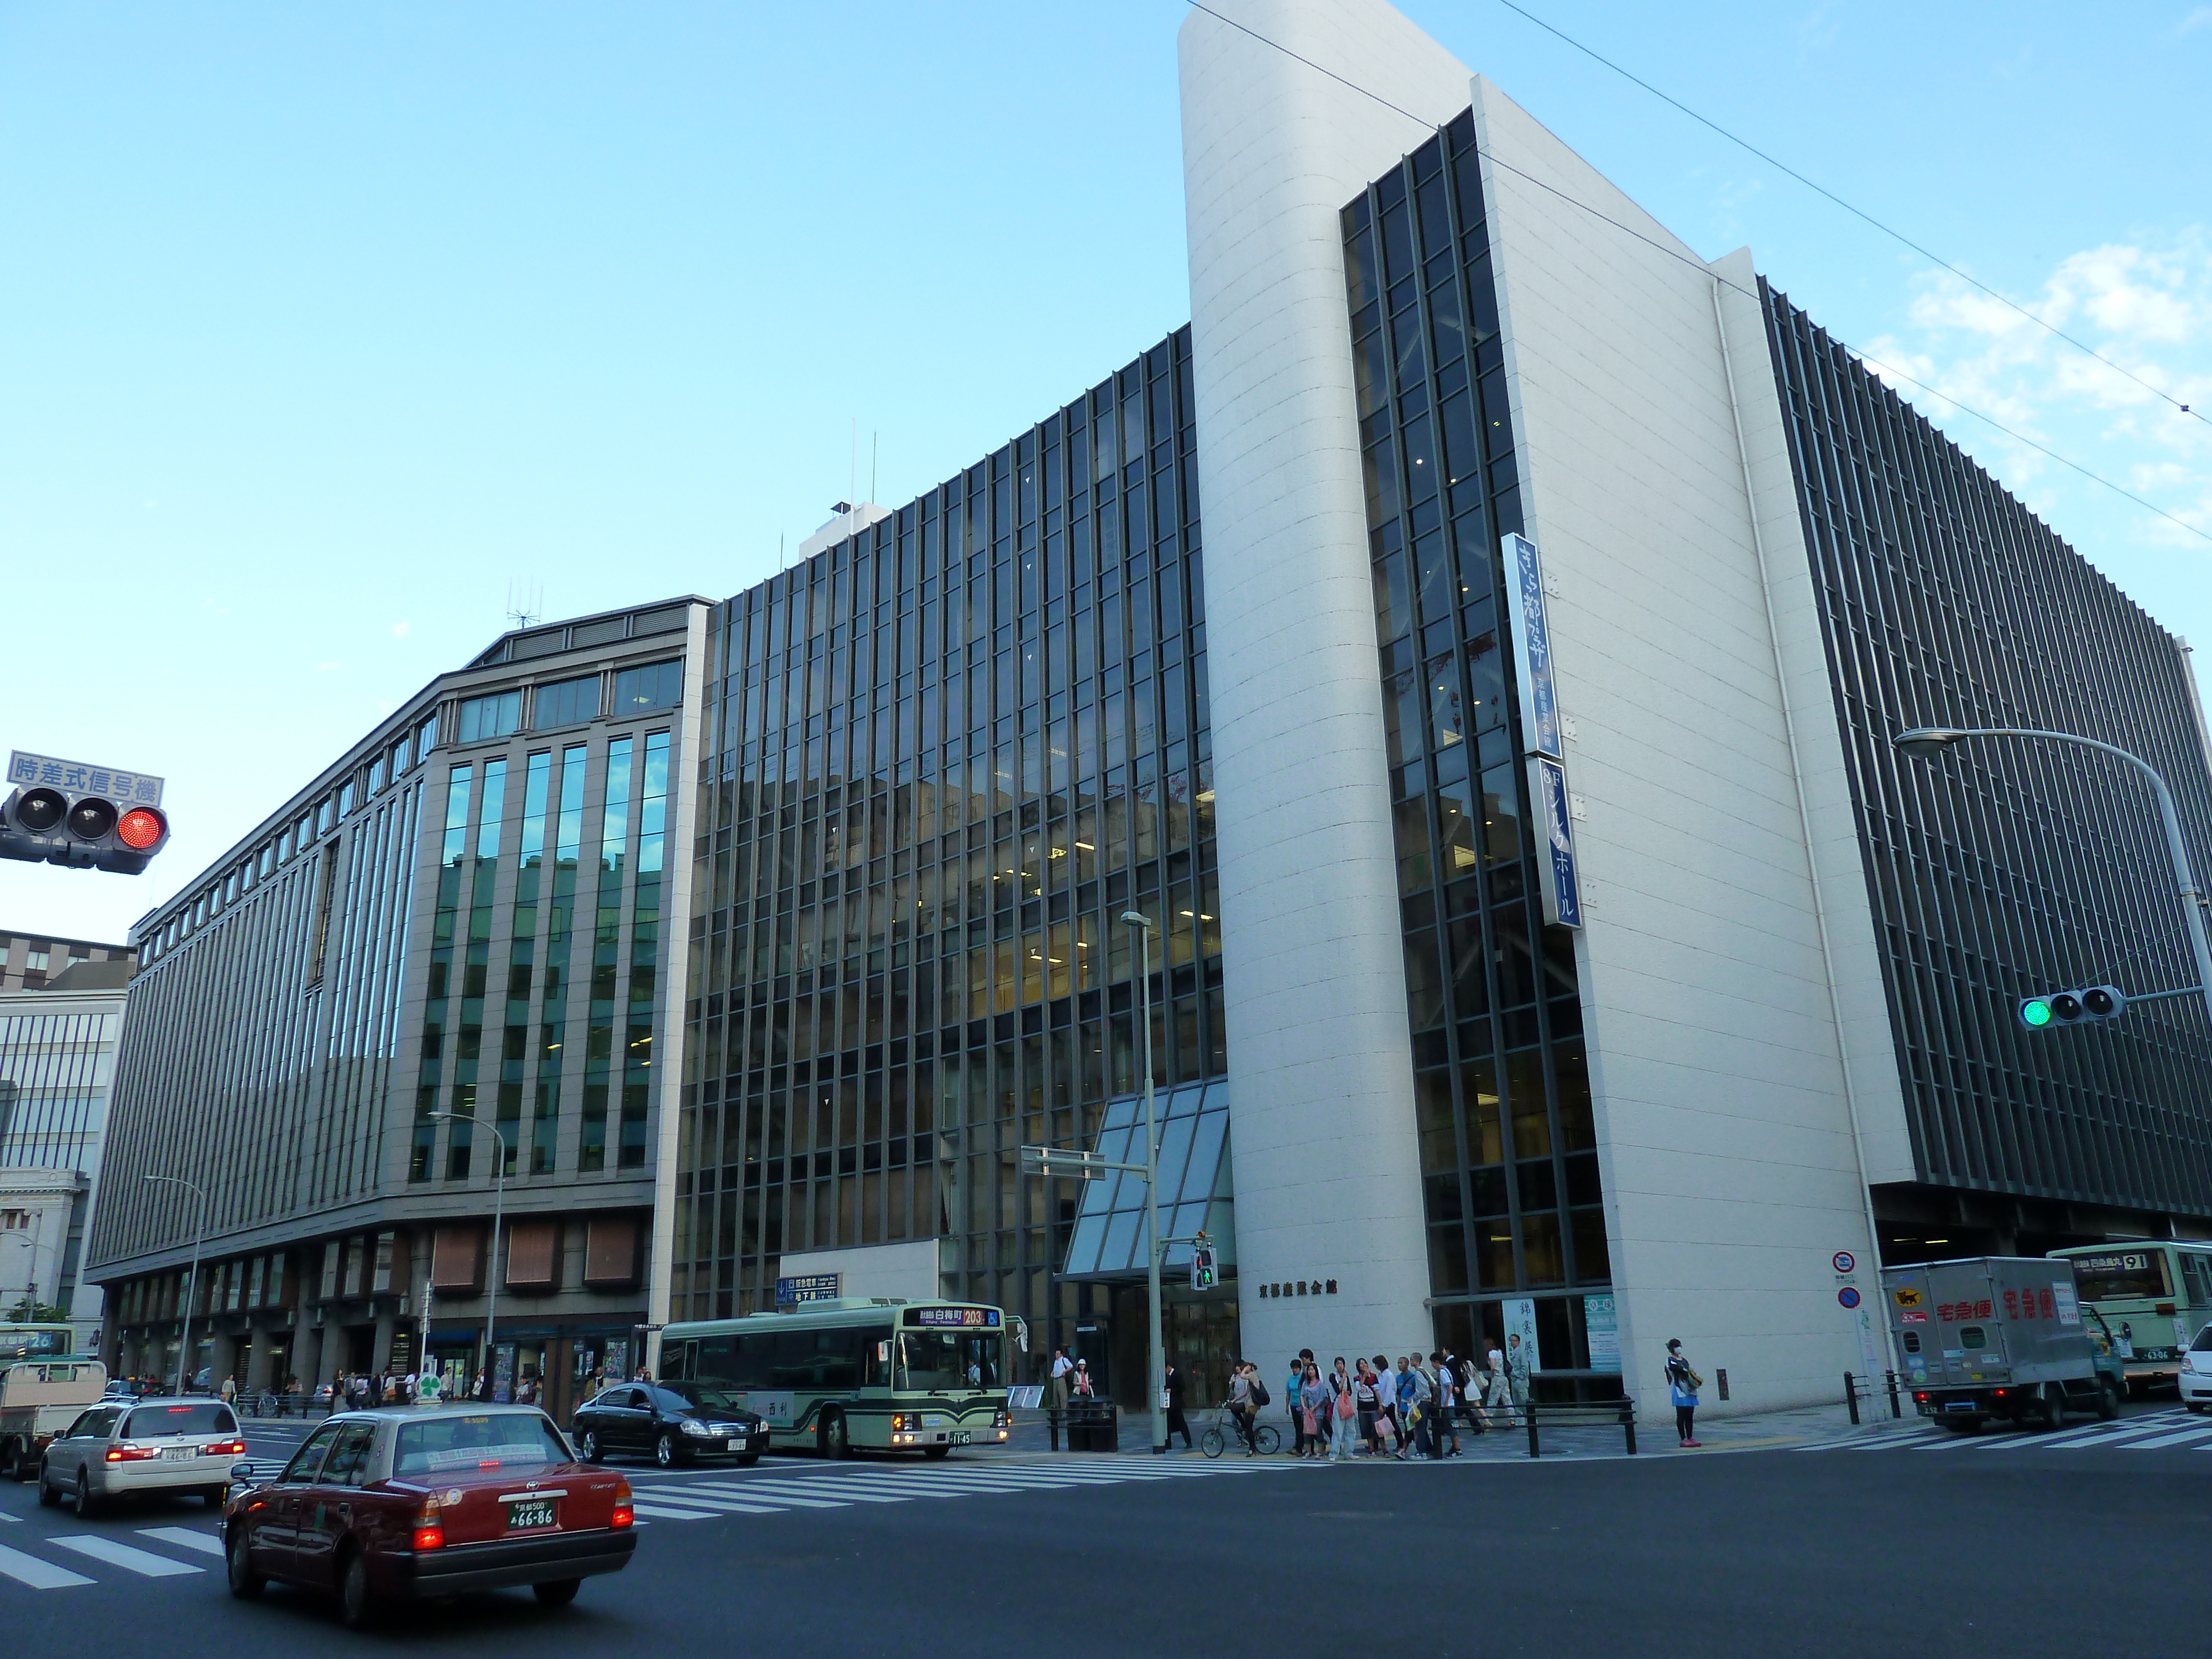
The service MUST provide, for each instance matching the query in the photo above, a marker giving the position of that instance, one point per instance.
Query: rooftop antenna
(525, 603)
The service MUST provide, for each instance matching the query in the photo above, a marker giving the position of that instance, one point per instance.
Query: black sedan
(674, 1422)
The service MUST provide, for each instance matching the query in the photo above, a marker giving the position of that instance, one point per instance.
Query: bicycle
(1223, 1430)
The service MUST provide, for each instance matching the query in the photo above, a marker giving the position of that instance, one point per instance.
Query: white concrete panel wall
(908, 1270)
(1325, 1161)
(1861, 994)
(1725, 1143)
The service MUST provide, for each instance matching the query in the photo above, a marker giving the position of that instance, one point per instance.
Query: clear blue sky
(320, 327)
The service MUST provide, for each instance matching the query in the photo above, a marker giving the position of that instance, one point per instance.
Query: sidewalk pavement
(1508, 1442)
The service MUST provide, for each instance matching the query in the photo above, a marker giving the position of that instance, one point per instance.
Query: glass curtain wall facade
(2008, 868)
(496, 917)
(1508, 1145)
(276, 991)
(949, 752)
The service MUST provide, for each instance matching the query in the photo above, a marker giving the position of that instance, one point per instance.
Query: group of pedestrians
(1412, 1409)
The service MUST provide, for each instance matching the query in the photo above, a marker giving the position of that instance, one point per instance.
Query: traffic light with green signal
(2096, 1005)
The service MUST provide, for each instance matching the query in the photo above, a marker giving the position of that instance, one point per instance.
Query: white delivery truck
(2000, 1336)
(39, 1398)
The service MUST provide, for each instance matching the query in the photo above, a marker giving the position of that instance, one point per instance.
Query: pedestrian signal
(1203, 1274)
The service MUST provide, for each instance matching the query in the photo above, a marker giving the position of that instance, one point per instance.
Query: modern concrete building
(1471, 647)
(31, 961)
(455, 938)
(58, 1044)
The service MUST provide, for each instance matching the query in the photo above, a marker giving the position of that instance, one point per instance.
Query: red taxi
(418, 1502)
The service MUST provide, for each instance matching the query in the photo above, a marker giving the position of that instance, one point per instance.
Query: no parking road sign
(1849, 1296)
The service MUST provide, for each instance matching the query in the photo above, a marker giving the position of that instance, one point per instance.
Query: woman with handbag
(1368, 1397)
(1313, 1407)
(1343, 1414)
(1682, 1385)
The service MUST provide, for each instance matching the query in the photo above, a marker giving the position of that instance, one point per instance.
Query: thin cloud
(2146, 307)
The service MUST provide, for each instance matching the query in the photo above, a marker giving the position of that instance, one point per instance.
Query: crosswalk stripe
(722, 1499)
(656, 1512)
(38, 1575)
(782, 1498)
(717, 1500)
(2104, 1432)
(860, 1490)
(122, 1555)
(2198, 1432)
(206, 1542)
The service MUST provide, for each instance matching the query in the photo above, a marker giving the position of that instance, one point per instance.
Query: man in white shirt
(1061, 1365)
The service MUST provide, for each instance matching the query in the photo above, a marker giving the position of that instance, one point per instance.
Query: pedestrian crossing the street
(2151, 1431)
(70, 1561)
(707, 1495)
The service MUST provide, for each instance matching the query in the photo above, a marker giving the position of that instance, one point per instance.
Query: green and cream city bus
(872, 1373)
(2155, 1294)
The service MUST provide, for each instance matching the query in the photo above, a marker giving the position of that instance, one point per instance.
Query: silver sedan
(116, 1449)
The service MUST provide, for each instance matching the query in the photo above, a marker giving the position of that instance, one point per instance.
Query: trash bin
(1093, 1425)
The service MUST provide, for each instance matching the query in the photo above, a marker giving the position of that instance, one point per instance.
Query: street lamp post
(498, 1217)
(1157, 1377)
(191, 1284)
(1925, 742)
(33, 1244)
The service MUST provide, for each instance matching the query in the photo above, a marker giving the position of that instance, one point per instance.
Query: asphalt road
(2077, 1549)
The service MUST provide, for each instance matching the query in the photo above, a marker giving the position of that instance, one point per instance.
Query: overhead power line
(1857, 212)
(1695, 264)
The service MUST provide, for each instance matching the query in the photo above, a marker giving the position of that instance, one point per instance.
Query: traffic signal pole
(1926, 741)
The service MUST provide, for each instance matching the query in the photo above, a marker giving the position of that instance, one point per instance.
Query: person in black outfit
(1176, 1424)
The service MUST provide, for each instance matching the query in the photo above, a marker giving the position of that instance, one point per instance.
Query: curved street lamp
(1156, 1375)
(498, 1209)
(1927, 741)
(33, 1244)
(191, 1286)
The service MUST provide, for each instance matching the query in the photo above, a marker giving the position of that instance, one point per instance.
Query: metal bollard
(1628, 1424)
(1852, 1397)
(1052, 1425)
(1895, 1409)
(1534, 1450)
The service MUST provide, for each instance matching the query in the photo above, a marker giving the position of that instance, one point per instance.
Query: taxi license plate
(179, 1454)
(962, 1438)
(530, 1512)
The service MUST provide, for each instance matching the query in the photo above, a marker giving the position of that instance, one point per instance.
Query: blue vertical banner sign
(1531, 649)
(1555, 859)
(1540, 734)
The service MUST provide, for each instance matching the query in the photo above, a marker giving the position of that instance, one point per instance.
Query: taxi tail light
(625, 1514)
(429, 1526)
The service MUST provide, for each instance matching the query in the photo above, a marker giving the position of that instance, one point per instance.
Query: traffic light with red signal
(89, 817)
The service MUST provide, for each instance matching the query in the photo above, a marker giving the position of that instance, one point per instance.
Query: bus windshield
(949, 1359)
(36, 1341)
(2122, 1275)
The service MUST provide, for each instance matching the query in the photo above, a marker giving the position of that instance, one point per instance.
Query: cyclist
(1242, 1407)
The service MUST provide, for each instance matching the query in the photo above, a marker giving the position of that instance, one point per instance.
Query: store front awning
(1195, 1190)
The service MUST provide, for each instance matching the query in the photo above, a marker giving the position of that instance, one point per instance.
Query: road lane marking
(38, 1575)
(655, 1512)
(122, 1555)
(206, 1542)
